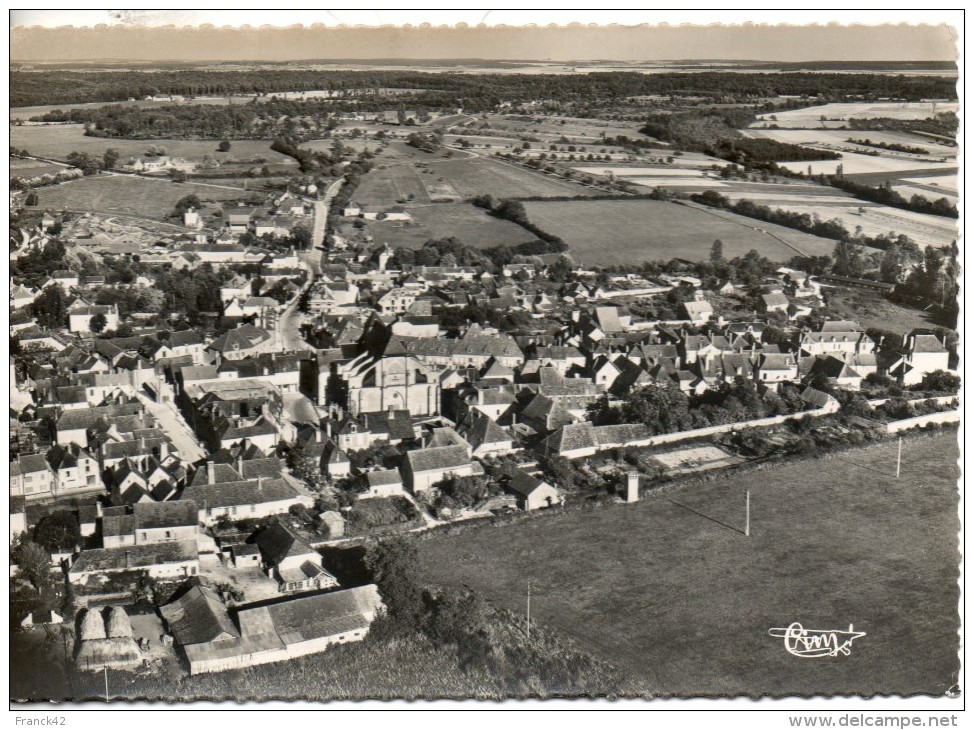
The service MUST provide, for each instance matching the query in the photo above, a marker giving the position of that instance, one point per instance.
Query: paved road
(174, 425)
(289, 323)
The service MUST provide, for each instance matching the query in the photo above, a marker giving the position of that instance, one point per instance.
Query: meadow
(469, 224)
(57, 141)
(671, 591)
(502, 180)
(631, 231)
(811, 116)
(33, 168)
(130, 196)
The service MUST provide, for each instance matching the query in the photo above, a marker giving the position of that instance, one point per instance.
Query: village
(230, 389)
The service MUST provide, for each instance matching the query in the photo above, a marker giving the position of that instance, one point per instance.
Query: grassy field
(389, 184)
(873, 310)
(125, 195)
(664, 590)
(631, 231)
(466, 222)
(58, 141)
(33, 168)
(484, 176)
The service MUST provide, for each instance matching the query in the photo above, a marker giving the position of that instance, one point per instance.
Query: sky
(205, 35)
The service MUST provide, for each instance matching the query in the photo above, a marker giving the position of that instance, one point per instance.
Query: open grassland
(391, 184)
(840, 137)
(128, 195)
(57, 141)
(33, 168)
(502, 180)
(856, 164)
(467, 223)
(632, 231)
(671, 590)
(871, 309)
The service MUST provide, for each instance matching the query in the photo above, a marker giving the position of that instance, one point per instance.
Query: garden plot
(695, 458)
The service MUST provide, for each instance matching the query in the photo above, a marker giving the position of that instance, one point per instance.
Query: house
(241, 342)
(79, 319)
(274, 226)
(221, 491)
(174, 560)
(31, 477)
(238, 219)
(75, 470)
(382, 483)
(21, 296)
(698, 312)
(334, 523)
(921, 354)
(485, 436)
(292, 562)
(335, 462)
(425, 467)
(774, 302)
(289, 204)
(834, 337)
(165, 521)
(532, 493)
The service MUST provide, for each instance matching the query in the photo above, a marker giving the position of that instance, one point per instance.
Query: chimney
(128, 559)
(210, 472)
(240, 462)
(632, 487)
(260, 483)
(98, 509)
(163, 451)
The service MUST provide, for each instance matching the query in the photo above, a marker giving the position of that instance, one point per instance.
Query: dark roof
(383, 477)
(250, 491)
(198, 617)
(135, 557)
(443, 457)
(523, 483)
(278, 542)
(154, 515)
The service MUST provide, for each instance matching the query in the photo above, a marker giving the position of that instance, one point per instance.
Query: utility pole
(899, 456)
(747, 513)
(106, 683)
(529, 610)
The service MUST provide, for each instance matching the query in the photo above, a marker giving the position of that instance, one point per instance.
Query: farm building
(292, 562)
(163, 560)
(203, 628)
(531, 492)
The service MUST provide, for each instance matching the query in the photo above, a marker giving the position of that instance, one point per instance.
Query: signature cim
(802, 642)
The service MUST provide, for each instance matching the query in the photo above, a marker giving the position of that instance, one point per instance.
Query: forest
(475, 91)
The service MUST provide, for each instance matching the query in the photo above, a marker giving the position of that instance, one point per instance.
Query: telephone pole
(899, 456)
(529, 610)
(106, 683)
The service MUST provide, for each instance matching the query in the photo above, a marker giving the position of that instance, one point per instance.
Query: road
(289, 323)
(174, 426)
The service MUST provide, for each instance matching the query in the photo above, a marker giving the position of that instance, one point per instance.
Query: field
(673, 592)
(502, 180)
(631, 231)
(58, 141)
(811, 116)
(870, 309)
(33, 168)
(838, 138)
(466, 222)
(126, 195)
(856, 164)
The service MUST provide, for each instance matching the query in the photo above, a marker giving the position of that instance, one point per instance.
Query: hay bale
(119, 625)
(93, 626)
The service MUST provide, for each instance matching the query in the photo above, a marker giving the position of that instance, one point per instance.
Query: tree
(98, 323)
(661, 408)
(224, 146)
(31, 200)
(301, 236)
(84, 162)
(941, 381)
(50, 308)
(717, 252)
(35, 564)
(109, 159)
(394, 565)
(58, 531)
